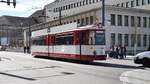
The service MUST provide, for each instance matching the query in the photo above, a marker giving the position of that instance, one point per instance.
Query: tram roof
(65, 29)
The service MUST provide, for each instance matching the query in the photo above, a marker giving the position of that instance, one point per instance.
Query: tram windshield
(97, 38)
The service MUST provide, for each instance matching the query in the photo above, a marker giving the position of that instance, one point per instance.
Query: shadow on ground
(102, 64)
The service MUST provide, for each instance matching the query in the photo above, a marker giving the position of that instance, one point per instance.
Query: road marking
(138, 76)
(21, 77)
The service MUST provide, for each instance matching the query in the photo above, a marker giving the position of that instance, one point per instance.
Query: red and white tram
(85, 43)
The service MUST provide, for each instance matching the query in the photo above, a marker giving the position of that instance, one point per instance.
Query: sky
(24, 8)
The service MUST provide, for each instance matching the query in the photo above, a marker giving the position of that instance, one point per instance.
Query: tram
(86, 43)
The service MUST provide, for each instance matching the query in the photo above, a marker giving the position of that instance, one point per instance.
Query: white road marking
(138, 76)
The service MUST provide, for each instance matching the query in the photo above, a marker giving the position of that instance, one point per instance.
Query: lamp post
(103, 12)
(60, 16)
(135, 32)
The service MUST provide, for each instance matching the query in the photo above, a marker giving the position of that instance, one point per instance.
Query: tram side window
(38, 41)
(80, 38)
(64, 40)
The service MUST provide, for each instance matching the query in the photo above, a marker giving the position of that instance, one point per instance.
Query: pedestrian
(25, 49)
(120, 52)
(111, 53)
(116, 52)
(28, 49)
(124, 51)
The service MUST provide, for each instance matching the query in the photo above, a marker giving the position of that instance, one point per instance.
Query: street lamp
(9, 2)
(60, 16)
(135, 32)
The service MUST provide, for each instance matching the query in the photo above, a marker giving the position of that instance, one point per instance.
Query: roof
(38, 13)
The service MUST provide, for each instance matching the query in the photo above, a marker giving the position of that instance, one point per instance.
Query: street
(19, 68)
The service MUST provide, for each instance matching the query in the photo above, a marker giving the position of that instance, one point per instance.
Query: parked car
(143, 58)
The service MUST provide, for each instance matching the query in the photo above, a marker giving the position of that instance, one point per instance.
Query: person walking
(111, 53)
(120, 52)
(25, 49)
(124, 52)
(28, 49)
(116, 52)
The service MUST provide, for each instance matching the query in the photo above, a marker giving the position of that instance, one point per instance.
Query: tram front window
(99, 38)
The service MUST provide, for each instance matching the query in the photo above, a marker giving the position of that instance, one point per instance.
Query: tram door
(80, 40)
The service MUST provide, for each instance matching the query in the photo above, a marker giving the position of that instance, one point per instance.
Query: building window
(74, 5)
(117, 5)
(63, 7)
(87, 20)
(132, 39)
(66, 7)
(82, 21)
(90, 1)
(80, 3)
(77, 4)
(113, 39)
(126, 20)
(78, 21)
(122, 4)
(126, 40)
(143, 2)
(127, 4)
(139, 21)
(83, 2)
(144, 22)
(93, 1)
(138, 40)
(69, 6)
(113, 19)
(119, 20)
(91, 19)
(132, 21)
(86, 2)
(145, 40)
(148, 1)
(119, 39)
(137, 3)
(132, 3)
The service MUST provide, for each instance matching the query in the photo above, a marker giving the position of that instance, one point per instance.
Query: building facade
(11, 30)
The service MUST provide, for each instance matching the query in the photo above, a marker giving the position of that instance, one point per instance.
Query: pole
(103, 12)
(29, 47)
(60, 16)
(135, 32)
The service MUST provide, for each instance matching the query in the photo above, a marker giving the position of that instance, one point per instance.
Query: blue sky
(24, 8)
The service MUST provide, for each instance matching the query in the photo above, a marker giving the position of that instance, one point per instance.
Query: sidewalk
(128, 57)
